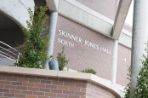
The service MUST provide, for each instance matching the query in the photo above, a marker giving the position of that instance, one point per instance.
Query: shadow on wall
(10, 32)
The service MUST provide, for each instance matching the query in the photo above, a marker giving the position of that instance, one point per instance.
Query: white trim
(91, 19)
(85, 16)
(121, 14)
(17, 10)
(90, 11)
(128, 33)
(126, 39)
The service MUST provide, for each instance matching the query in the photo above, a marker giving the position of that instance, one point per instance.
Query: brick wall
(25, 86)
(95, 91)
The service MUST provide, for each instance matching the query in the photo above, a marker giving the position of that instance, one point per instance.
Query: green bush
(142, 83)
(141, 90)
(62, 60)
(127, 89)
(34, 51)
(89, 70)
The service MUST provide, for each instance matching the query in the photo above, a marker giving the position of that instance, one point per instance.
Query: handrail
(3, 53)
(8, 46)
(8, 52)
(7, 57)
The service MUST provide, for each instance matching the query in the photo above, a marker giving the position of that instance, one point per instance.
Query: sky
(129, 18)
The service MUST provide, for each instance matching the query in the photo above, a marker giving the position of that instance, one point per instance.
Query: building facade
(82, 28)
(91, 32)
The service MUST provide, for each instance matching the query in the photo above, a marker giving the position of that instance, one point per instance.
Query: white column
(52, 33)
(114, 61)
(140, 37)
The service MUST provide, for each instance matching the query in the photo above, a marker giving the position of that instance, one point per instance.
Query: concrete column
(114, 61)
(139, 40)
(52, 33)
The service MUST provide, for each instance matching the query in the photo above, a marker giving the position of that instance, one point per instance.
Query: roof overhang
(121, 14)
(84, 16)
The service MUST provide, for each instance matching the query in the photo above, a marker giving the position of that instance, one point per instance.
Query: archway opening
(10, 31)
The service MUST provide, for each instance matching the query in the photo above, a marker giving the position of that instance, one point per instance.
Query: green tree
(34, 51)
(141, 90)
(142, 82)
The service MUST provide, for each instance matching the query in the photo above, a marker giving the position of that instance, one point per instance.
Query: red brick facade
(25, 86)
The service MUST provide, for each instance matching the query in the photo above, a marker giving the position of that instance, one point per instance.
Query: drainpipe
(52, 34)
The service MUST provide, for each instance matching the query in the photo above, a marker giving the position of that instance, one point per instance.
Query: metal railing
(8, 53)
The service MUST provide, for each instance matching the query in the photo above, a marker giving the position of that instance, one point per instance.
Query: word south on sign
(70, 39)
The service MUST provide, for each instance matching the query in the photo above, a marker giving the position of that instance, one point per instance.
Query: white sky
(129, 18)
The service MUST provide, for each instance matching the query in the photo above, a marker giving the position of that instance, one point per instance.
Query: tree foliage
(141, 90)
(34, 51)
(62, 60)
(142, 82)
(127, 89)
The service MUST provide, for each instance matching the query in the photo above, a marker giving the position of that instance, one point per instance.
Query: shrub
(34, 52)
(127, 89)
(89, 70)
(142, 82)
(62, 60)
(141, 90)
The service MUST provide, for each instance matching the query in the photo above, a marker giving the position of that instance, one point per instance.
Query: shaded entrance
(10, 32)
